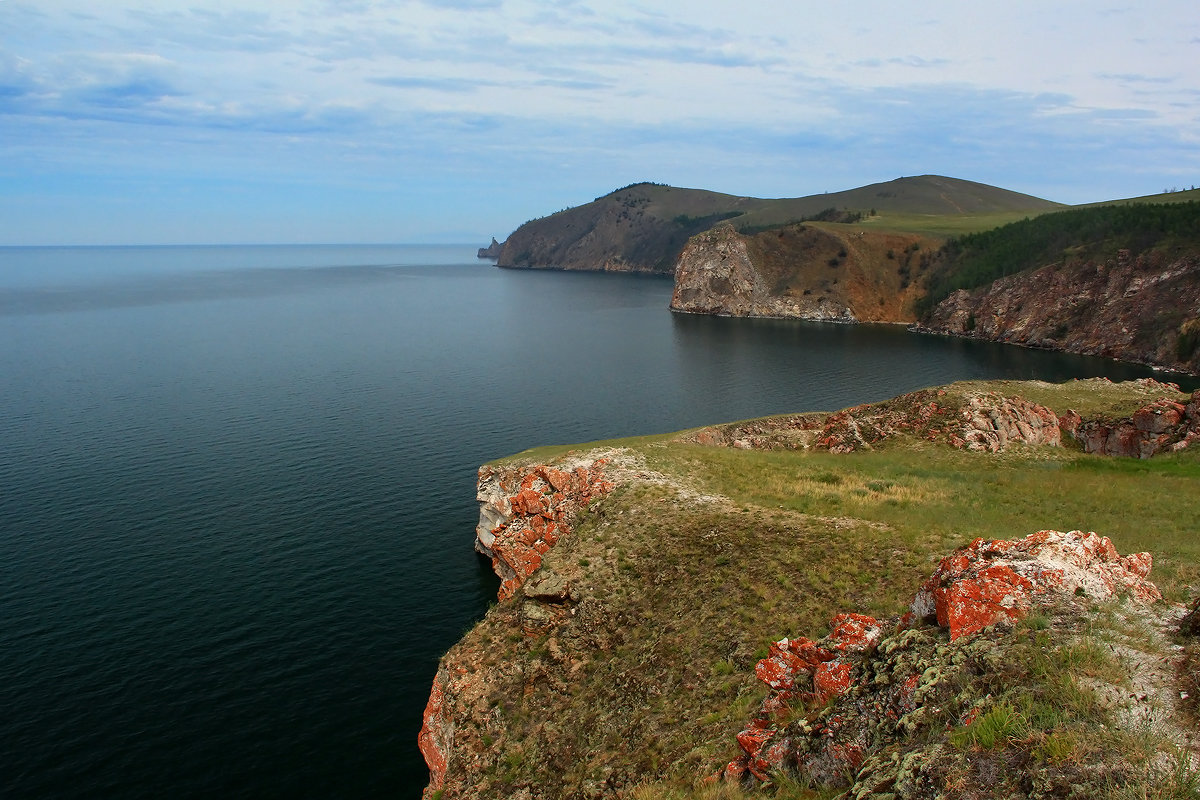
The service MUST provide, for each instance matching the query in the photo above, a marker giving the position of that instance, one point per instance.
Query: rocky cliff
(1142, 307)
(800, 271)
(645, 589)
(492, 251)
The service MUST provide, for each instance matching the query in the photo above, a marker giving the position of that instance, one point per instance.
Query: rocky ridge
(976, 421)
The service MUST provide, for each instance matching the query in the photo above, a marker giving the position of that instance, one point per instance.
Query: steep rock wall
(1139, 308)
(797, 272)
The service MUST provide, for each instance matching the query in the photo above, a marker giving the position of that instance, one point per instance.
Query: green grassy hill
(643, 227)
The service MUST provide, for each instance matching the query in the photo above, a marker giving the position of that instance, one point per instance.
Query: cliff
(492, 251)
(1141, 307)
(647, 585)
(802, 272)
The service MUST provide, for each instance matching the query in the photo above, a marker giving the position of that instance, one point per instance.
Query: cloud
(556, 95)
(431, 84)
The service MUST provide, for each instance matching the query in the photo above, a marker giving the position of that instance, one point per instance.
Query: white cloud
(449, 87)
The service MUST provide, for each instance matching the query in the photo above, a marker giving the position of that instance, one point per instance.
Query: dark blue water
(237, 486)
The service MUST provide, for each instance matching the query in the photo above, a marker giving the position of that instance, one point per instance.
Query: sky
(247, 121)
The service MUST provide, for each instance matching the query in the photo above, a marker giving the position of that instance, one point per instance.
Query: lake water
(237, 486)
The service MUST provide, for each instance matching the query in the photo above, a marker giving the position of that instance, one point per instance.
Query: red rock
(1159, 417)
(524, 512)
(854, 632)
(830, 679)
(433, 739)
(989, 581)
(752, 739)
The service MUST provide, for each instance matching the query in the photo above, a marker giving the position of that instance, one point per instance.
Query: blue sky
(132, 121)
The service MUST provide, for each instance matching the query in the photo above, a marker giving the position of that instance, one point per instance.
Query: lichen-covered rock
(857, 687)
(437, 734)
(525, 510)
(1161, 426)
(992, 580)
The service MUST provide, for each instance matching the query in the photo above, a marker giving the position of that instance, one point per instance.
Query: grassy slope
(681, 597)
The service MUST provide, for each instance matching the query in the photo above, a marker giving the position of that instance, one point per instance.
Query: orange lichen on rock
(986, 582)
(525, 510)
(993, 580)
(433, 738)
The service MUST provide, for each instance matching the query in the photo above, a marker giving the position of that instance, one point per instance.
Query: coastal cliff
(1119, 280)
(632, 643)
(1142, 307)
(799, 272)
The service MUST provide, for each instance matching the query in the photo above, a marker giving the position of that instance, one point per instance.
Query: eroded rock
(525, 510)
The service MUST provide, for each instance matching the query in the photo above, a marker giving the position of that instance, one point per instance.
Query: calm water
(237, 486)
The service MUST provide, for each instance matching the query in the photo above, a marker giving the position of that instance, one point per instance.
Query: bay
(237, 500)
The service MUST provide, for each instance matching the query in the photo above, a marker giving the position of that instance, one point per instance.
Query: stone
(525, 510)
(990, 581)
(984, 583)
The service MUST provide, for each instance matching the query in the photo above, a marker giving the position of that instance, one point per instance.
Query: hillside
(643, 227)
(637, 647)
(1121, 281)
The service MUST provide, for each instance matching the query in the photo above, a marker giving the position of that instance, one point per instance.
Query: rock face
(869, 682)
(492, 251)
(985, 421)
(796, 272)
(1138, 308)
(1162, 426)
(525, 510)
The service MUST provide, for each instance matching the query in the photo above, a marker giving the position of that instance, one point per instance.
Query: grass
(652, 673)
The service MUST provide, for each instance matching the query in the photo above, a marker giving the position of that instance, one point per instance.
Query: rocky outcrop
(986, 421)
(525, 510)
(1162, 426)
(1142, 308)
(841, 706)
(982, 421)
(797, 272)
(492, 251)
